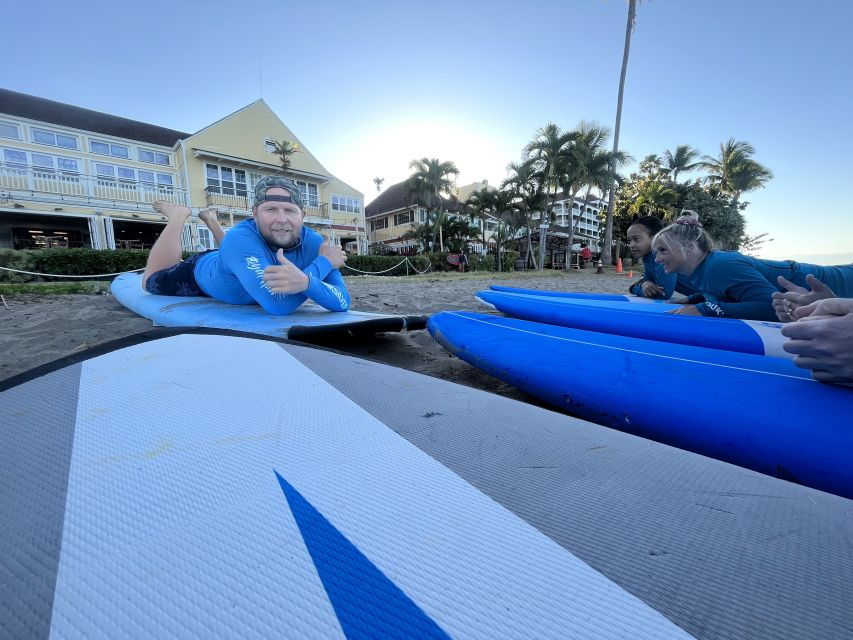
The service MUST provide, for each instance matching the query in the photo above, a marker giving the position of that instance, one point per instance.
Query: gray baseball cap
(281, 182)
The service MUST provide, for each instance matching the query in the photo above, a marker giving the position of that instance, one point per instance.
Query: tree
(480, 204)
(548, 152)
(734, 171)
(284, 150)
(523, 185)
(378, 182)
(608, 228)
(682, 159)
(431, 178)
(651, 164)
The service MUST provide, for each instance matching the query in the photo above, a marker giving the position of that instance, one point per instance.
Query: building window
(422, 215)
(205, 237)
(225, 180)
(127, 175)
(347, 205)
(269, 145)
(153, 157)
(310, 193)
(41, 136)
(9, 130)
(13, 156)
(375, 225)
(402, 218)
(108, 149)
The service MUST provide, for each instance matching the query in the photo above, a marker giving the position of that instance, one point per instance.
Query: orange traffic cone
(618, 265)
(631, 273)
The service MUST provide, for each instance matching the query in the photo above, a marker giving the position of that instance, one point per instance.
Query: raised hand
(334, 254)
(285, 277)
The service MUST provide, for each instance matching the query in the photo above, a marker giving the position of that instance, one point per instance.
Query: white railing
(33, 183)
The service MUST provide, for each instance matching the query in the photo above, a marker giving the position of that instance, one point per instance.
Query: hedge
(78, 262)
(476, 262)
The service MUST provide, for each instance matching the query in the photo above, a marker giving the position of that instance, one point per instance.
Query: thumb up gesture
(285, 277)
(334, 254)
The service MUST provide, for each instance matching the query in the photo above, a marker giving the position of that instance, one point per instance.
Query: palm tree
(654, 199)
(608, 228)
(378, 182)
(284, 150)
(734, 171)
(430, 179)
(651, 164)
(527, 195)
(682, 159)
(480, 204)
(548, 151)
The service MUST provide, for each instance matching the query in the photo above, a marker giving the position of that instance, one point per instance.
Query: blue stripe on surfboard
(624, 305)
(368, 604)
(761, 413)
(714, 333)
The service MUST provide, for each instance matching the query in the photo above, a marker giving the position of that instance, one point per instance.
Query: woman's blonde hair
(685, 232)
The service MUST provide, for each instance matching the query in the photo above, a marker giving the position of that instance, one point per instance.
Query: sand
(37, 329)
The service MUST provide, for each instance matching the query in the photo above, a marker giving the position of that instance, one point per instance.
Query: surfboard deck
(187, 483)
(576, 295)
(309, 323)
(729, 334)
(762, 413)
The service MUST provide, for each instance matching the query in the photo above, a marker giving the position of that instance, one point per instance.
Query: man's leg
(166, 251)
(208, 217)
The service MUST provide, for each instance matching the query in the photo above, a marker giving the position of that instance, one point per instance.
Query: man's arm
(320, 281)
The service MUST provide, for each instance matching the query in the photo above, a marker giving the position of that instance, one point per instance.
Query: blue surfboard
(746, 336)
(309, 323)
(760, 413)
(575, 295)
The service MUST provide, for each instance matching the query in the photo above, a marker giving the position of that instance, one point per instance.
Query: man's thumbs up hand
(285, 277)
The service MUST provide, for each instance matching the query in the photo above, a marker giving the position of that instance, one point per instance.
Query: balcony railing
(33, 183)
(316, 212)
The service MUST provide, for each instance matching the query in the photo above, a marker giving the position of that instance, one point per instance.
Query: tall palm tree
(734, 171)
(651, 164)
(432, 177)
(378, 182)
(682, 159)
(608, 228)
(548, 151)
(527, 195)
(480, 204)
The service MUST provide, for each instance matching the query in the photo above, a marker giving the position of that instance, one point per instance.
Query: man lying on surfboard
(271, 260)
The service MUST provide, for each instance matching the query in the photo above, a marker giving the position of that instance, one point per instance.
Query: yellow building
(72, 177)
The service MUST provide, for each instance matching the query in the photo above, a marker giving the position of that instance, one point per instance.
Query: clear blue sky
(369, 86)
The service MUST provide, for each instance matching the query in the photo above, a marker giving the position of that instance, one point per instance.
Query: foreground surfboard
(729, 334)
(309, 323)
(189, 484)
(761, 413)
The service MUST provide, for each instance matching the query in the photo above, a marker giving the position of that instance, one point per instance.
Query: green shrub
(82, 262)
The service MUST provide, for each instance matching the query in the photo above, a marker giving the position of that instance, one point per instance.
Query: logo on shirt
(715, 308)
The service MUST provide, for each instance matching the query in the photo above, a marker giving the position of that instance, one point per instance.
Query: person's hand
(651, 290)
(687, 310)
(334, 254)
(785, 303)
(822, 340)
(285, 277)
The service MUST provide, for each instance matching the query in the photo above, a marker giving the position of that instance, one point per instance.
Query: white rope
(54, 275)
(429, 266)
(370, 273)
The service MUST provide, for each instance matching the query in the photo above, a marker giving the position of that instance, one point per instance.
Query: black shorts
(177, 280)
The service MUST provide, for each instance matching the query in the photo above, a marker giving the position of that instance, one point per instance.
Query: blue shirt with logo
(235, 273)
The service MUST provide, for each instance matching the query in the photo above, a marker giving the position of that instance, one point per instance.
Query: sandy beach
(37, 329)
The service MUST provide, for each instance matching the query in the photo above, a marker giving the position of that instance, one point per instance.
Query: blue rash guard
(739, 286)
(235, 273)
(669, 282)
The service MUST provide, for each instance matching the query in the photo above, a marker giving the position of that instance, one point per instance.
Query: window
(153, 157)
(402, 218)
(205, 237)
(379, 224)
(9, 130)
(422, 215)
(126, 175)
(225, 180)
(150, 178)
(310, 192)
(54, 139)
(348, 205)
(109, 149)
(269, 145)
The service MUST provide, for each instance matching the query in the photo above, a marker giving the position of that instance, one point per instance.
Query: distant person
(271, 260)
(463, 260)
(655, 283)
(734, 285)
(822, 339)
(586, 255)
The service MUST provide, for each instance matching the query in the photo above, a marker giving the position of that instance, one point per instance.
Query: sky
(370, 86)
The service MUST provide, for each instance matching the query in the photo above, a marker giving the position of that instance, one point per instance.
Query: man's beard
(295, 241)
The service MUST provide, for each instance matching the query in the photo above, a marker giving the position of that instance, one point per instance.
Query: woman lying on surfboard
(735, 285)
(655, 283)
